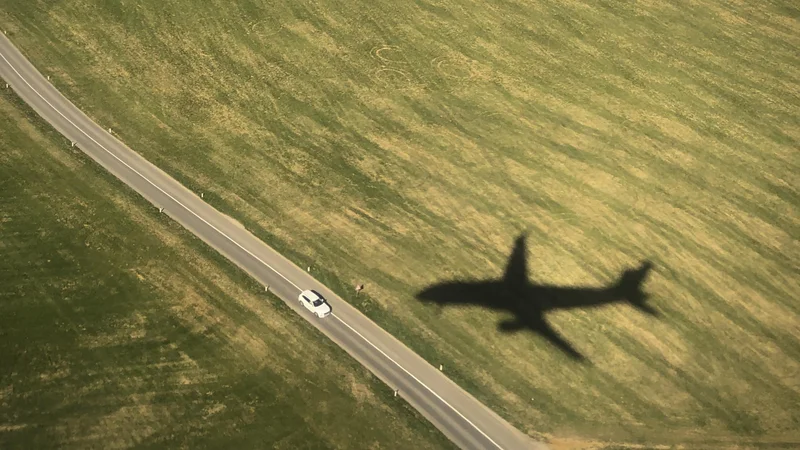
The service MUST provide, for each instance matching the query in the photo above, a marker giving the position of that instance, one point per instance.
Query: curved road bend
(464, 420)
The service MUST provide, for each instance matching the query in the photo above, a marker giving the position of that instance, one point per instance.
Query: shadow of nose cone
(426, 295)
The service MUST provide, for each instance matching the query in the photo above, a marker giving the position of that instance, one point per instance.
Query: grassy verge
(399, 145)
(118, 328)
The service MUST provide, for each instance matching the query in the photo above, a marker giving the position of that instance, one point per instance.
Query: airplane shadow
(528, 302)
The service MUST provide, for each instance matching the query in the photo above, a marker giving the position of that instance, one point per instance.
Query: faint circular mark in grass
(394, 77)
(262, 30)
(388, 54)
(453, 68)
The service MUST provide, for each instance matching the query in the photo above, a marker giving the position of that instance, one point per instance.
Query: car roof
(311, 295)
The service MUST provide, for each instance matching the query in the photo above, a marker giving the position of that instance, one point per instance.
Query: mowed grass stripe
(400, 145)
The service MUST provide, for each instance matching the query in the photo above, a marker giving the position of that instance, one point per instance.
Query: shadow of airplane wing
(516, 273)
(547, 331)
(541, 327)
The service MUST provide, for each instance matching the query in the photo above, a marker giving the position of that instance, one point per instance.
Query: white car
(315, 303)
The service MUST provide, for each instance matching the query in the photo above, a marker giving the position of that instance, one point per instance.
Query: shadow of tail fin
(629, 287)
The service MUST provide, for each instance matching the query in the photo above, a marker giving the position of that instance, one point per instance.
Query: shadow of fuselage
(528, 302)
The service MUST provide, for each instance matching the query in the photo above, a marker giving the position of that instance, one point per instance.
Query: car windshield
(317, 302)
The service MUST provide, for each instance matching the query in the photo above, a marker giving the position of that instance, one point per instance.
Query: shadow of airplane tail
(629, 287)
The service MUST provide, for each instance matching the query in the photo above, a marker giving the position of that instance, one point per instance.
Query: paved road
(463, 419)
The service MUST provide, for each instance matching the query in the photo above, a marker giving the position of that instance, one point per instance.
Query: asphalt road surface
(467, 422)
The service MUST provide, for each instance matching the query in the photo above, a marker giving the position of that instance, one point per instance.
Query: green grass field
(400, 144)
(120, 329)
